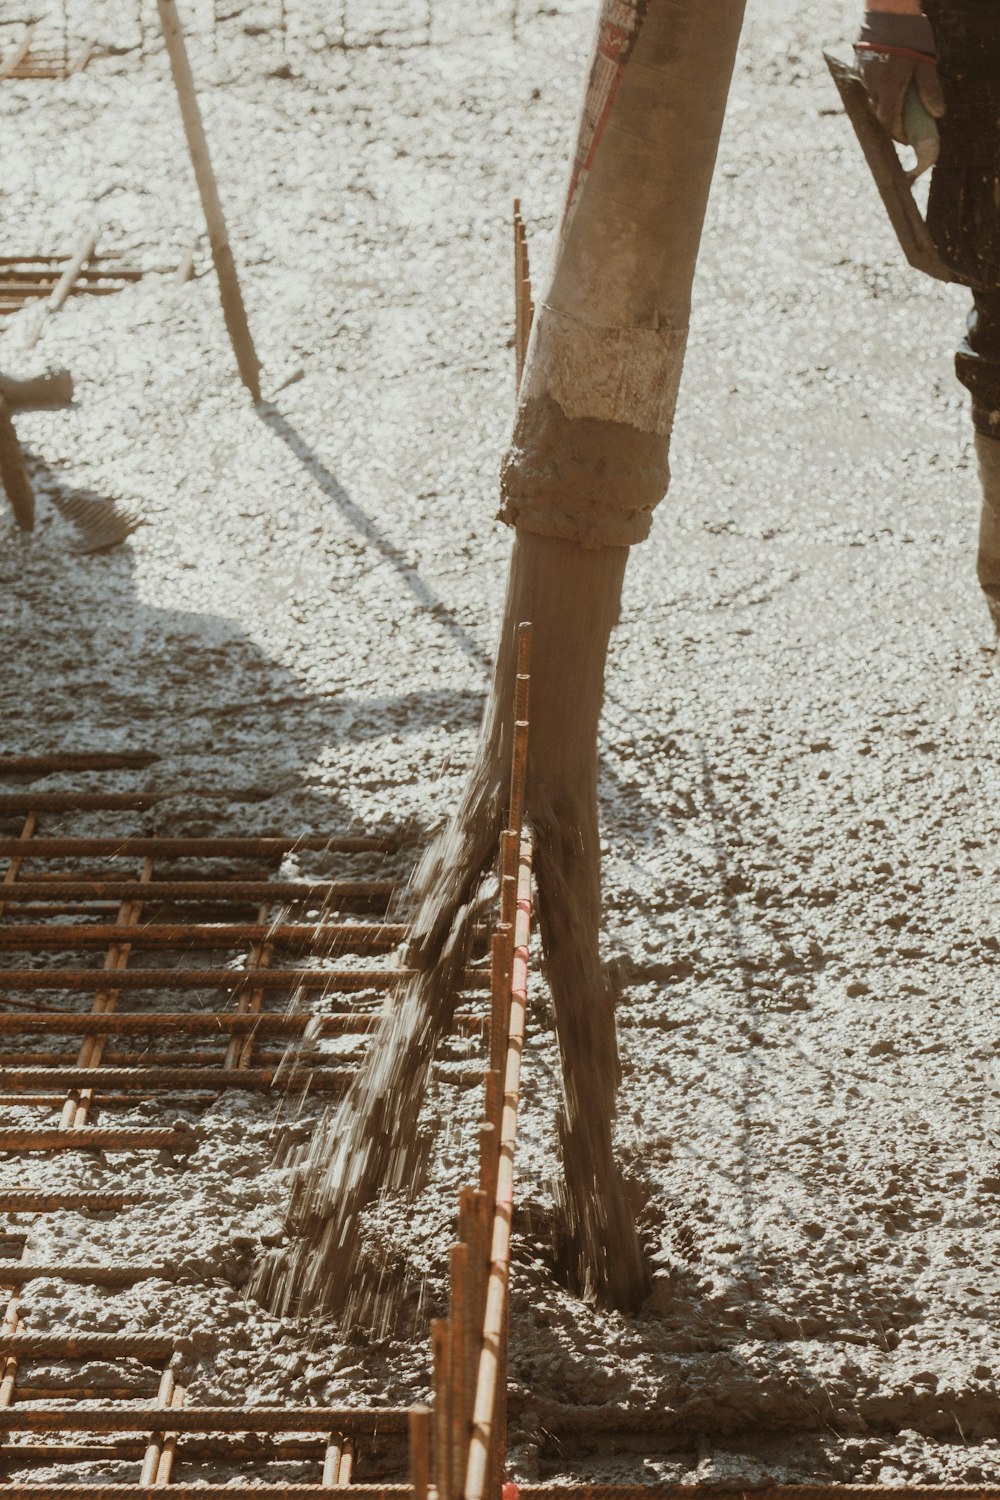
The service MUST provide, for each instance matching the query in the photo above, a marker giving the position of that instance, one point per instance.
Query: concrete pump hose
(588, 459)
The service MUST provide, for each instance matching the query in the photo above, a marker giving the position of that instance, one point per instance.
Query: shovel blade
(891, 180)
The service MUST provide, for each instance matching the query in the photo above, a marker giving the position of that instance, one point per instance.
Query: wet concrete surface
(800, 774)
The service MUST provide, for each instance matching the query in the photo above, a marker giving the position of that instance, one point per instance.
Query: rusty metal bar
(331, 1461)
(498, 1008)
(85, 1345)
(162, 847)
(491, 1376)
(12, 1314)
(15, 861)
(142, 1057)
(59, 1101)
(17, 1272)
(348, 936)
(99, 1079)
(234, 312)
(262, 1447)
(220, 1024)
(441, 1379)
(75, 760)
(224, 890)
(102, 1078)
(807, 1491)
(84, 1491)
(39, 1201)
(96, 1138)
(86, 980)
(420, 1451)
(158, 1459)
(78, 1101)
(519, 759)
(203, 1491)
(338, 1462)
(353, 1420)
(311, 980)
(460, 1330)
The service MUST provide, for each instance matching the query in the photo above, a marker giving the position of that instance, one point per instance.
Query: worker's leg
(963, 214)
(978, 367)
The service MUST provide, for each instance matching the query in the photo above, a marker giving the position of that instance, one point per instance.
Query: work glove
(897, 61)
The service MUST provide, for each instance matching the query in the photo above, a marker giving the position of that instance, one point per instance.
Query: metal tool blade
(887, 169)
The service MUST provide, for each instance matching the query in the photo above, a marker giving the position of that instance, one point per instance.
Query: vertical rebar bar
(233, 310)
(420, 1451)
(458, 1361)
(440, 1350)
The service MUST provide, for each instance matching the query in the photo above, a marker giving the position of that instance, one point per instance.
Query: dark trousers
(963, 211)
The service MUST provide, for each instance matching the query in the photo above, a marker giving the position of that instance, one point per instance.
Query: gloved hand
(895, 48)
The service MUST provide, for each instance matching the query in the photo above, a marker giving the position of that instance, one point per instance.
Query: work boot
(988, 560)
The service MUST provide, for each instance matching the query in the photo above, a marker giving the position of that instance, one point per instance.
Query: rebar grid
(54, 914)
(457, 1448)
(24, 60)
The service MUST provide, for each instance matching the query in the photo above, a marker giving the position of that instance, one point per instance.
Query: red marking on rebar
(613, 39)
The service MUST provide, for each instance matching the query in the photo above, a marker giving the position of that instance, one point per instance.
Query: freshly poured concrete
(800, 775)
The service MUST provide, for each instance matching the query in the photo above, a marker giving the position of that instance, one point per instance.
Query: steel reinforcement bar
(211, 1023)
(163, 847)
(317, 981)
(266, 1491)
(175, 1491)
(469, 1347)
(231, 891)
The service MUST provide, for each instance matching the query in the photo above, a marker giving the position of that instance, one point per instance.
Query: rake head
(102, 523)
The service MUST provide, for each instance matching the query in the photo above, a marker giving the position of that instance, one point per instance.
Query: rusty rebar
(307, 980)
(233, 309)
(80, 1273)
(97, 1138)
(809, 1491)
(113, 1418)
(491, 1375)
(441, 1380)
(262, 1447)
(197, 1491)
(421, 1421)
(347, 936)
(85, 1345)
(294, 1076)
(162, 847)
(78, 1101)
(519, 757)
(39, 1201)
(78, 760)
(220, 1024)
(225, 890)
(102, 1078)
